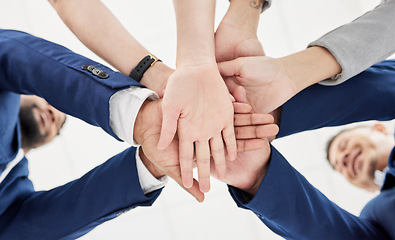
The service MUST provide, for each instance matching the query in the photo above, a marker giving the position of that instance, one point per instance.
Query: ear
(380, 127)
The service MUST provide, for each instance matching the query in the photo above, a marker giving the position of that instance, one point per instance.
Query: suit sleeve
(361, 43)
(31, 65)
(368, 96)
(291, 207)
(71, 210)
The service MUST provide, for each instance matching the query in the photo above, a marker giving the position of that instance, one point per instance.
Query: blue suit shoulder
(381, 212)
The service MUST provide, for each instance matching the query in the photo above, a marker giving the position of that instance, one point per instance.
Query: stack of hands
(215, 109)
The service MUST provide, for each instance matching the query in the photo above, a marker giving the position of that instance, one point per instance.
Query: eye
(343, 145)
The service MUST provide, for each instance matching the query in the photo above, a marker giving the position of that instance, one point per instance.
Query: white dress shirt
(124, 107)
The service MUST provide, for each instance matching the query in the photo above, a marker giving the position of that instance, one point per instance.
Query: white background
(285, 28)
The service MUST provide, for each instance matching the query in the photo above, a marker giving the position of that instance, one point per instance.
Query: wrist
(244, 14)
(255, 185)
(195, 58)
(192, 64)
(138, 129)
(156, 77)
(149, 165)
(310, 66)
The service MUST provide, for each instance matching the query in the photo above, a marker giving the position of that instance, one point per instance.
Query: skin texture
(249, 168)
(236, 35)
(196, 103)
(357, 153)
(270, 82)
(257, 75)
(47, 119)
(196, 54)
(249, 128)
(118, 47)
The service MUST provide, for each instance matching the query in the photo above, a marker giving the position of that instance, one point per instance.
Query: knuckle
(217, 151)
(204, 161)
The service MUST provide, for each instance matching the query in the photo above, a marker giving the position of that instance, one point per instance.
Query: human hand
(236, 35)
(203, 108)
(249, 168)
(270, 82)
(156, 78)
(233, 41)
(164, 162)
(266, 81)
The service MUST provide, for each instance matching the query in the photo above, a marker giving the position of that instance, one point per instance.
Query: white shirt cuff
(148, 182)
(124, 107)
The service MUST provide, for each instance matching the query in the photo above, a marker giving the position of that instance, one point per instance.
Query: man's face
(40, 122)
(357, 153)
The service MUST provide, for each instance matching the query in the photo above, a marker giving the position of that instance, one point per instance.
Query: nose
(346, 166)
(343, 161)
(52, 112)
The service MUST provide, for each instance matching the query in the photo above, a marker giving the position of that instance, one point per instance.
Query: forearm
(292, 205)
(367, 96)
(310, 66)
(69, 211)
(195, 32)
(100, 31)
(361, 43)
(53, 68)
(244, 14)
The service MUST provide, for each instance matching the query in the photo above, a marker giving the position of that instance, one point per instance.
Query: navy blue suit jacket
(30, 65)
(287, 203)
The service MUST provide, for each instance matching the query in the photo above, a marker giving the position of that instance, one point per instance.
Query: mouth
(356, 161)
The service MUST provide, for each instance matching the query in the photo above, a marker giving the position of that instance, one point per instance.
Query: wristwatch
(138, 72)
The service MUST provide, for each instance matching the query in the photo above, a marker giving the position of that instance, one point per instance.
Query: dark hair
(328, 145)
(29, 126)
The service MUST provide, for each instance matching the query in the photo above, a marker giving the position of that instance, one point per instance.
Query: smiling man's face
(357, 153)
(39, 121)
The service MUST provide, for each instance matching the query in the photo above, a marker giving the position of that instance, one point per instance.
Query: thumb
(194, 190)
(239, 93)
(230, 68)
(169, 125)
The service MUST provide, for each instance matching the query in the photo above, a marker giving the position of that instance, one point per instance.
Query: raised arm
(196, 102)
(264, 182)
(56, 73)
(270, 82)
(368, 96)
(291, 207)
(338, 55)
(236, 36)
(355, 48)
(89, 19)
(71, 210)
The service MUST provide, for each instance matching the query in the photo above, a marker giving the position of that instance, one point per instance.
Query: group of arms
(197, 119)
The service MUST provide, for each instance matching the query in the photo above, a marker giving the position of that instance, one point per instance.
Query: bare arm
(196, 103)
(236, 36)
(100, 31)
